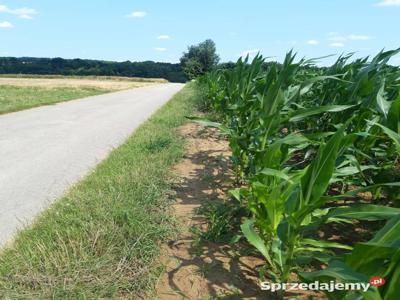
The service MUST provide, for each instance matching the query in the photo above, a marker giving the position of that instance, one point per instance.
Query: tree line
(83, 67)
(198, 60)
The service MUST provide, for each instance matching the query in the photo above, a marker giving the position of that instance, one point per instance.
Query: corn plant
(298, 132)
(286, 205)
(379, 257)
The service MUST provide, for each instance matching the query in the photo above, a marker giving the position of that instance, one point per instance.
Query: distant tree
(82, 67)
(199, 59)
(57, 63)
(192, 68)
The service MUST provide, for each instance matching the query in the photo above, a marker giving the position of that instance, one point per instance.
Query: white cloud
(312, 42)
(23, 13)
(26, 17)
(159, 49)
(137, 14)
(388, 3)
(357, 37)
(163, 37)
(337, 44)
(6, 24)
(250, 52)
(340, 39)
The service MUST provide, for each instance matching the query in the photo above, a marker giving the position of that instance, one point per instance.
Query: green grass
(15, 98)
(102, 240)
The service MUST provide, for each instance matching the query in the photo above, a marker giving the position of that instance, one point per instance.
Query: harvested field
(107, 83)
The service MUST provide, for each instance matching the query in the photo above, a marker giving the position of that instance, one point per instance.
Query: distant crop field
(18, 92)
(106, 82)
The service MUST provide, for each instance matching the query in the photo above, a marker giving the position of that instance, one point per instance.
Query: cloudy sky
(160, 30)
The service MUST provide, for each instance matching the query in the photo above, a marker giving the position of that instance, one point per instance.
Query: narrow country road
(45, 150)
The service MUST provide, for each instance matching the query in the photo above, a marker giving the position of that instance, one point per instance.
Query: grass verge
(102, 239)
(15, 98)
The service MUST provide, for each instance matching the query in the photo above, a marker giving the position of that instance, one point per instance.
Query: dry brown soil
(207, 270)
(211, 270)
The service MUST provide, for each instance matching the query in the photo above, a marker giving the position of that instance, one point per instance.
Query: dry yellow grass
(106, 83)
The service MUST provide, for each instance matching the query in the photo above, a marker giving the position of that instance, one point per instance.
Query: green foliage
(379, 257)
(222, 220)
(303, 139)
(85, 67)
(199, 59)
(192, 68)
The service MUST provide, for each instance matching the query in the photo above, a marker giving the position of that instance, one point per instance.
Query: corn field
(315, 148)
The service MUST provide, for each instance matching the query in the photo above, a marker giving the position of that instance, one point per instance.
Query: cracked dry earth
(209, 271)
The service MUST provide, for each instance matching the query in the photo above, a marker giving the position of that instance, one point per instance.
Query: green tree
(199, 59)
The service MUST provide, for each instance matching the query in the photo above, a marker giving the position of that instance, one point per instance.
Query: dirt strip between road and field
(204, 270)
(209, 270)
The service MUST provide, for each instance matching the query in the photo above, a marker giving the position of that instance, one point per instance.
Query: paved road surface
(44, 150)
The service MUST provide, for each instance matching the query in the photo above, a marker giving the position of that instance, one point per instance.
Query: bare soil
(205, 271)
(208, 271)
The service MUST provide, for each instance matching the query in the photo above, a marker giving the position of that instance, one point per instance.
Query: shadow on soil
(204, 269)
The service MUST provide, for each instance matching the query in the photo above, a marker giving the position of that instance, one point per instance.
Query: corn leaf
(393, 120)
(254, 239)
(336, 269)
(382, 104)
(390, 133)
(316, 180)
(206, 122)
(390, 233)
(302, 114)
(368, 212)
(276, 173)
(325, 244)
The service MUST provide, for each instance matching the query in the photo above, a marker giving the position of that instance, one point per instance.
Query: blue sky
(159, 30)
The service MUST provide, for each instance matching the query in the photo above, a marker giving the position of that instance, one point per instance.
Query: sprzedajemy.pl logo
(330, 286)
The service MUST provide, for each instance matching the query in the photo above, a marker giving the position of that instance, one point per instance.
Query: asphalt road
(45, 150)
